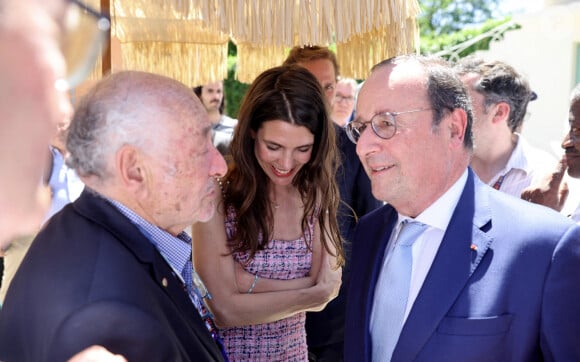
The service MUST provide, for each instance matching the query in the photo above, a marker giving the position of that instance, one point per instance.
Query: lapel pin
(473, 247)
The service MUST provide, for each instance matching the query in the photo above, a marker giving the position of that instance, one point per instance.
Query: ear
(501, 113)
(457, 126)
(131, 169)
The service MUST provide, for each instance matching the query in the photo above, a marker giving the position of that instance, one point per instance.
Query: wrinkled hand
(97, 354)
(552, 191)
(328, 281)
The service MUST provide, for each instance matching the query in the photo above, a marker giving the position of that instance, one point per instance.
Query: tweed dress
(285, 339)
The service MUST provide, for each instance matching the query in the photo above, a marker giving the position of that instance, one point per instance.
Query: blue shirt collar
(176, 250)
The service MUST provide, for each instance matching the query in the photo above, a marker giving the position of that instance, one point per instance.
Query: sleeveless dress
(285, 339)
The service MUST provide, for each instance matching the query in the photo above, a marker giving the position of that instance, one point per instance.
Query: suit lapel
(463, 246)
(103, 213)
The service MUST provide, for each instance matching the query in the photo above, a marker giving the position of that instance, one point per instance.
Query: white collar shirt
(526, 166)
(424, 249)
(576, 215)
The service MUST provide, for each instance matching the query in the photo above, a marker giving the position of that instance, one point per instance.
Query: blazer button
(164, 282)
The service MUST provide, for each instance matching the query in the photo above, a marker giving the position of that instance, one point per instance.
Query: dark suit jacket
(513, 298)
(91, 277)
(327, 326)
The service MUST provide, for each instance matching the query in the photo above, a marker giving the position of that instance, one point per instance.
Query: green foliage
(447, 23)
(449, 16)
(232, 49)
(234, 90)
(434, 44)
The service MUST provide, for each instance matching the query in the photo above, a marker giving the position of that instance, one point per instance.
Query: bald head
(145, 140)
(129, 107)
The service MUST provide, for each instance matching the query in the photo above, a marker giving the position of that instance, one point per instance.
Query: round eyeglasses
(84, 36)
(383, 125)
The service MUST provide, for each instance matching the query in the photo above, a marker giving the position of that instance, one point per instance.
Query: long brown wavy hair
(291, 94)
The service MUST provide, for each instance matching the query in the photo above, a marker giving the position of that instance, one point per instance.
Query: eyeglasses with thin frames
(383, 125)
(85, 34)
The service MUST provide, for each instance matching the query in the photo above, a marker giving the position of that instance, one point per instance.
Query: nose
(365, 141)
(285, 161)
(218, 164)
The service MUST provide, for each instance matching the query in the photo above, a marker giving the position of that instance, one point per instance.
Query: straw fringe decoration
(365, 31)
(168, 38)
(187, 39)
(361, 52)
(191, 64)
(253, 58)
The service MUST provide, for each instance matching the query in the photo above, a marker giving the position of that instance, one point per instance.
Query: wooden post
(106, 57)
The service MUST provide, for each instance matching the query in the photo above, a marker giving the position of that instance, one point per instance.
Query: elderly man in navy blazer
(114, 268)
(492, 277)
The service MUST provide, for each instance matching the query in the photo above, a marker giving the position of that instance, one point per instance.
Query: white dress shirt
(526, 166)
(576, 215)
(436, 217)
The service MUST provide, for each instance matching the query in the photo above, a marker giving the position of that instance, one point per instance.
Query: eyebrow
(279, 145)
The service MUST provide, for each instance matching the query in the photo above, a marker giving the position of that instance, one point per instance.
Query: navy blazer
(504, 285)
(91, 277)
(327, 326)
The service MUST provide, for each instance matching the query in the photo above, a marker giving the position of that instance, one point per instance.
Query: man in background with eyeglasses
(33, 73)
(344, 99)
(450, 269)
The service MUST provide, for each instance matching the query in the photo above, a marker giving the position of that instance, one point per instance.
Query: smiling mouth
(281, 172)
(380, 169)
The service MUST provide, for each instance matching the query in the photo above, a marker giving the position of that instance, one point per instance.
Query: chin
(574, 172)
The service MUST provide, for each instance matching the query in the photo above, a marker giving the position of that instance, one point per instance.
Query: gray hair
(445, 90)
(349, 81)
(125, 108)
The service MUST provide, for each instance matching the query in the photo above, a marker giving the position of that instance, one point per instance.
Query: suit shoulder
(139, 328)
(518, 217)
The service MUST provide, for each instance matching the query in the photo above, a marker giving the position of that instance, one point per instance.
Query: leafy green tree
(450, 16)
(447, 23)
(432, 45)
(234, 90)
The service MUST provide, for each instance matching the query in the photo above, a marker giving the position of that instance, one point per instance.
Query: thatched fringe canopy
(187, 39)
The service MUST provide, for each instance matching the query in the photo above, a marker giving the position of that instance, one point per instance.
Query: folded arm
(270, 300)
